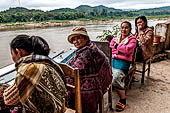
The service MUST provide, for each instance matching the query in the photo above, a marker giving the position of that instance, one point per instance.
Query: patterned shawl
(38, 85)
(95, 75)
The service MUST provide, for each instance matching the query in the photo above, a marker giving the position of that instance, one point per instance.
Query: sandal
(120, 107)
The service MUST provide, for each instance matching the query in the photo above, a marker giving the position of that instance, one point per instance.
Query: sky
(55, 4)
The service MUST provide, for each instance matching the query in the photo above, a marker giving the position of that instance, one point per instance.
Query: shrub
(114, 31)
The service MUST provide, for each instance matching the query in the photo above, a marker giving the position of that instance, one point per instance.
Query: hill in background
(156, 9)
(63, 10)
(20, 9)
(82, 12)
(88, 8)
(85, 8)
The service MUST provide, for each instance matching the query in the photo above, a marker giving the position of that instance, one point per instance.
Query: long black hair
(144, 19)
(31, 44)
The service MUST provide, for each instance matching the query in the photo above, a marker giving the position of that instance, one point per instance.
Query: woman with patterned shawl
(39, 84)
(122, 45)
(95, 71)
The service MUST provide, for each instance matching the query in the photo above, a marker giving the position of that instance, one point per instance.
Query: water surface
(55, 36)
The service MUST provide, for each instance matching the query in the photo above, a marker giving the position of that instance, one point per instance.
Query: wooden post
(77, 93)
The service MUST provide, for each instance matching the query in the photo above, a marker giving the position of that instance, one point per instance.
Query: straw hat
(77, 31)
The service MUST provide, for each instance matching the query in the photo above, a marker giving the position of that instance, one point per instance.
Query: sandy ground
(153, 96)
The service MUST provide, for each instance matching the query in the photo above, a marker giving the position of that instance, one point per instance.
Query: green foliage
(95, 12)
(104, 12)
(114, 31)
(63, 10)
(83, 12)
(15, 10)
(89, 9)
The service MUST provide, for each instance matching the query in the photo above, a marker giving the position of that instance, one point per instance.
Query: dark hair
(144, 19)
(31, 44)
(109, 38)
(126, 22)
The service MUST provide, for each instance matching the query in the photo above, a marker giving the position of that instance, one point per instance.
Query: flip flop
(120, 107)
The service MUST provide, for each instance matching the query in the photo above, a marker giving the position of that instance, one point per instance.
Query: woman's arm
(27, 78)
(11, 95)
(145, 38)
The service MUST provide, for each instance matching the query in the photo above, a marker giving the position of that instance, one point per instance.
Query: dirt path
(154, 95)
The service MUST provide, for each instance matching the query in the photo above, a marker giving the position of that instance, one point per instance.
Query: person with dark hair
(144, 35)
(39, 84)
(122, 45)
(108, 38)
(95, 70)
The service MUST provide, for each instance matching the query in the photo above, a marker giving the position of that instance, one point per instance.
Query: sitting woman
(122, 45)
(144, 35)
(95, 71)
(39, 84)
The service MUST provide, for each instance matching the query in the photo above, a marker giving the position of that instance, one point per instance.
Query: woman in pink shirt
(122, 45)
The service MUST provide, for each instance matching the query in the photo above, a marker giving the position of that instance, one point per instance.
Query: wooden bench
(73, 73)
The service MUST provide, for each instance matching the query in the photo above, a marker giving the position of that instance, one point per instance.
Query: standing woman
(95, 71)
(144, 35)
(39, 84)
(122, 45)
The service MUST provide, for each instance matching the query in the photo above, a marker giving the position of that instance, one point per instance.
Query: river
(55, 36)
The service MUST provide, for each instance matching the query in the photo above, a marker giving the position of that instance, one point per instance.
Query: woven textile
(95, 75)
(38, 86)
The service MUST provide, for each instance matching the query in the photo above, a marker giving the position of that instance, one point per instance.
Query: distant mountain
(16, 9)
(88, 8)
(20, 9)
(85, 8)
(129, 9)
(101, 7)
(156, 9)
(63, 10)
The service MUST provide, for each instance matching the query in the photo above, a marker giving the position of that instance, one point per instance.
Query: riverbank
(57, 36)
(18, 26)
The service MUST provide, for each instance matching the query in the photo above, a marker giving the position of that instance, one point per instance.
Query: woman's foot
(120, 106)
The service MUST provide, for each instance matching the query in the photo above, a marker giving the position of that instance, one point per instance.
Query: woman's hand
(140, 32)
(140, 28)
(142, 37)
(115, 45)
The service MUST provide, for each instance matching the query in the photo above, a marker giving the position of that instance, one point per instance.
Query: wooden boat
(7, 73)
